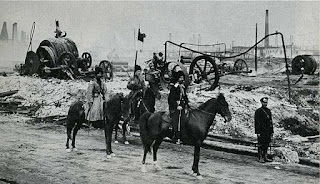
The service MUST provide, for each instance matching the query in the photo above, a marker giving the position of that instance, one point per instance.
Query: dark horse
(115, 109)
(147, 100)
(153, 128)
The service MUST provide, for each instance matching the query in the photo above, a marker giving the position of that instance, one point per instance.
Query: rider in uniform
(178, 105)
(96, 96)
(136, 84)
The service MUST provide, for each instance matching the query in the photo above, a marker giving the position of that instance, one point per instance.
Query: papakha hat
(137, 67)
(264, 99)
(98, 70)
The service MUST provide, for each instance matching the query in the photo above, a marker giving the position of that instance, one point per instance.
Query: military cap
(264, 99)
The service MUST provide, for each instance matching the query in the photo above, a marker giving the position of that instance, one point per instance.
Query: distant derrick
(4, 32)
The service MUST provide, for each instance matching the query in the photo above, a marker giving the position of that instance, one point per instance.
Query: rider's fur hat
(98, 70)
(137, 67)
(179, 74)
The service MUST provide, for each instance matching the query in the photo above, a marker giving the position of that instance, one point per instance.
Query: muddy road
(36, 154)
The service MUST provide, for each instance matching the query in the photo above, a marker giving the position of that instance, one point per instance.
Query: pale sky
(112, 23)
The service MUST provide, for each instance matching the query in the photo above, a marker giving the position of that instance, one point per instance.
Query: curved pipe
(276, 33)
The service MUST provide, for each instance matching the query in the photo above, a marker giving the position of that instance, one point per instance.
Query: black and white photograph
(181, 92)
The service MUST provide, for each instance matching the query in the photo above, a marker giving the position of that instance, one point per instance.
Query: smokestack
(15, 32)
(23, 37)
(4, 32)
(266, 41)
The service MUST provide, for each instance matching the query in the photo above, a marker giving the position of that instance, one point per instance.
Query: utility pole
(256, 51)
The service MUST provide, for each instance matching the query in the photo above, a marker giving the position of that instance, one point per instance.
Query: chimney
(4, 32)
(23, 37)
(15, 32)
(266, 41)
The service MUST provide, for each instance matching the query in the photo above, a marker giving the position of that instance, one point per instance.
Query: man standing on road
(263, 129)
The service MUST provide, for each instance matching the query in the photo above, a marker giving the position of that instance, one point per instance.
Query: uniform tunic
(178, 97)
(95, 95)
(263, 124)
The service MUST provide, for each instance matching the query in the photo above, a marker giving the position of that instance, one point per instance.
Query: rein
(203, 111)
(144, 105)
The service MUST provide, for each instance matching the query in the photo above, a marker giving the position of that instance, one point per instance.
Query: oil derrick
(4, 32)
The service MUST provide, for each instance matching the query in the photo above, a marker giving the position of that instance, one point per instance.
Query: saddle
(166, 117)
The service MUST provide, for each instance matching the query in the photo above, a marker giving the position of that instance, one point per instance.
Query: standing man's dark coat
(263, 129)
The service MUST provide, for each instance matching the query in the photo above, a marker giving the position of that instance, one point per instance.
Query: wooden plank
(8, 93)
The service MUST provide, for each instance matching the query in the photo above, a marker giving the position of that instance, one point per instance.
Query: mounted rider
(178, 105)
(96, 96)
(136, 84)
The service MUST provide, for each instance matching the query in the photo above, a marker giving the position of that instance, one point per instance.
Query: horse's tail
(144, 130)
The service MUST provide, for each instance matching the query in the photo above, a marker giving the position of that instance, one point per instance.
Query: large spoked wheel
(46, 56)
(87, 58)
(69, 60)
(166, 74)
(204, 69)
(107, 69)
(240, 65)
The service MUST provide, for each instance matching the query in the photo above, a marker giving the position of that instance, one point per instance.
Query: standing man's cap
(264, 99)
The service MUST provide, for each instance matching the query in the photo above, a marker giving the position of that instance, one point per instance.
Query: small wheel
(107, 69)
(240, 65)
(206, 70)
(88, 59)
(68, 59)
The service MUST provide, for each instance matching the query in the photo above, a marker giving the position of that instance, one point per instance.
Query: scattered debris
(286, 155)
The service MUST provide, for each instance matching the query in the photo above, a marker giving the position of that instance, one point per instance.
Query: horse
(114, 109)
(153, 128)
(147, 100)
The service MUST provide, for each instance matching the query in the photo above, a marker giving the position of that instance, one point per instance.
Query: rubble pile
(52, 96)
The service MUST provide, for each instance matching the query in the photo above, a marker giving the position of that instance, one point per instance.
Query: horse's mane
(204, 105)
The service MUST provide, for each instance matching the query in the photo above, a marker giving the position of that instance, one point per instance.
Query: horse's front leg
(195, 166)
(124, 130)
(108, 137)
(75, 131)
(144, 168)
(155, 149)
(69, 130)
(116, 134)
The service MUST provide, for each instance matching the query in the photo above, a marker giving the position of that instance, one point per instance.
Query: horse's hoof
(194, 174)
(74, 149)
(199, 177)
(126, 142)
(108, 156)
(144, 169)
(68, 150)
(157, 167)
(113, 155)
(116, 142)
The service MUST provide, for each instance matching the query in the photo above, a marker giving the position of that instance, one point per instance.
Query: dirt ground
(36, 154)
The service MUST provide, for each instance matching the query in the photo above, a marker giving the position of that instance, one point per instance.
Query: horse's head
(223, 107)
(153, 91)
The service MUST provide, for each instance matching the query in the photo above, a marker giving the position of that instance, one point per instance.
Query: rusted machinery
(57, 57)
(203, 68)
(303, 64)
